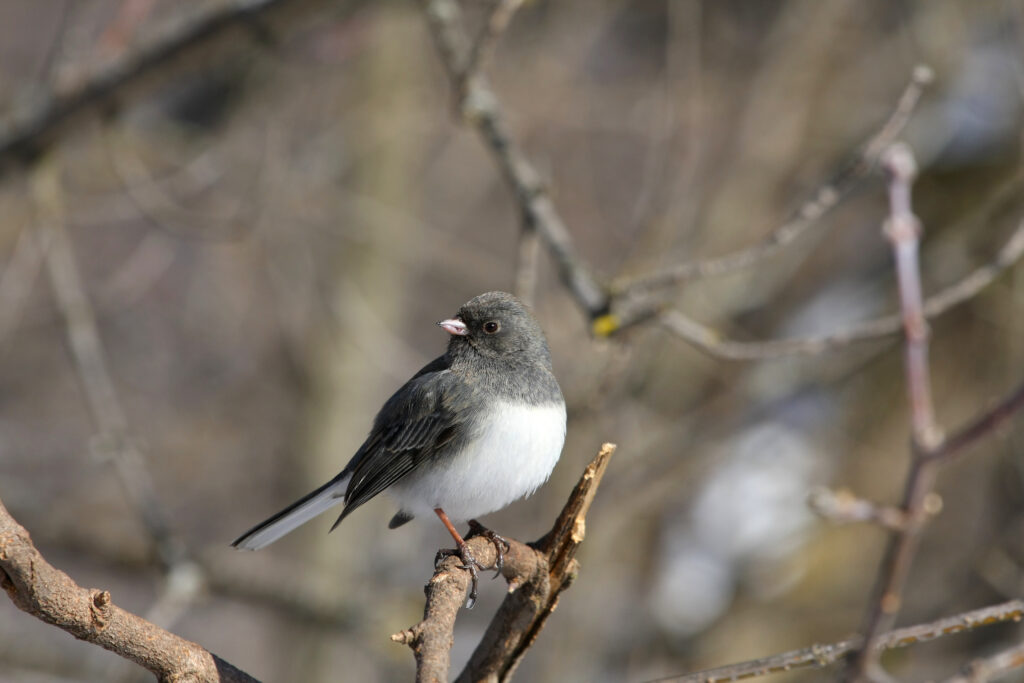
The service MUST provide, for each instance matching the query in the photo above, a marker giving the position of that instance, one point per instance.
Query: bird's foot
(469, 563)
(478, 529)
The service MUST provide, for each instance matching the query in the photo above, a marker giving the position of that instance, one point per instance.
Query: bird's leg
(478, 529)
(469, 562)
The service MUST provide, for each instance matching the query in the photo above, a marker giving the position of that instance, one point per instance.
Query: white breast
(509, 458)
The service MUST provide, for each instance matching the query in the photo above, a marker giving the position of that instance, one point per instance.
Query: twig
(903, 231)
(481, 109)
(714, 343)
(113, 438)
(49, 594)
(820, 656)
(954, 444)
(537, 573)
(25, 134)
(496, 23)
(990, 668)
(809, 214)
(17, 278)
(844, 507)
(527, 263)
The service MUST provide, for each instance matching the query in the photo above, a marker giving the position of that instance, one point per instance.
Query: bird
(474, 430)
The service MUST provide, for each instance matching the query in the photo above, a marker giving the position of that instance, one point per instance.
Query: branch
(904, 230)
(821, 656)
(989, 668)
(113, 438)
(17, 279)
(527, 262)
(497, 21)
(49, 594)
(844, 507)
(982, 425)
(480, 108)
(805, 217)
(714, 343)
(25, 134)
(537, 573)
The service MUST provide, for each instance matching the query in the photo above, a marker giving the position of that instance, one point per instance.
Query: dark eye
(491, 327)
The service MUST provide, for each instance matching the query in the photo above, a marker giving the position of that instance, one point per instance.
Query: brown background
(268, 231)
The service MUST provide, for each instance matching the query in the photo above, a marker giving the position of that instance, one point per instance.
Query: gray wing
(414, 424)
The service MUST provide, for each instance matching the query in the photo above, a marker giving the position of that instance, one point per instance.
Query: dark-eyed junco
(473, 431)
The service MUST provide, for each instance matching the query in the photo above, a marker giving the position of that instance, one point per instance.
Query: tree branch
(480, 108)
(810, 213)
(714, 343)
(537, 573)
(989, 668)
(821, 656)
(497, 21)
(23, 135)
(49, 594)
(113, 438)
(904, 231)
(613, 309)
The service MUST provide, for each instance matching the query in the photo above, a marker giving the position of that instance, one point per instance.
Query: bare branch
(808, 215)
(49, 594)
(496, 23)
(904, 230)
(537, 573)
(990, 668)
(527, 264)
(714, 343)
(821, 656)
(26, 133)
(844, 507)
(481, 109)
(113, 439)
(17, 280)
(982, 425)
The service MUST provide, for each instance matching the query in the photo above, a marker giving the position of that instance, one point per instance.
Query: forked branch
(536, 573)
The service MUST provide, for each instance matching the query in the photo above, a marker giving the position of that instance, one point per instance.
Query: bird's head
(496, 325)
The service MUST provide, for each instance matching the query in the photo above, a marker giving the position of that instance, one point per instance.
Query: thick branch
(49, 594)
(537, 573)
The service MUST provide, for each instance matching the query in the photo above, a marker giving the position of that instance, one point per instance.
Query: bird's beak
(454, 326)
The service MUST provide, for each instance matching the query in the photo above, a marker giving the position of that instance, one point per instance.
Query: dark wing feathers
(413, 425)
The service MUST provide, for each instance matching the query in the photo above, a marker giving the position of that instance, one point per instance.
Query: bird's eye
(491, 327)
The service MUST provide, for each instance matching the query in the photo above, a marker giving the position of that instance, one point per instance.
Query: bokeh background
(267, 230)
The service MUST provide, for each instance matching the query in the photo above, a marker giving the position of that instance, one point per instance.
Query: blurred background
(266, 226)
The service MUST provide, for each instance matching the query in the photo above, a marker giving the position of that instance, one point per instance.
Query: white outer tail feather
(263, 536)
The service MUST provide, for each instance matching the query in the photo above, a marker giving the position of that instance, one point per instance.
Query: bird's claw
(469, 563)
(478, 529)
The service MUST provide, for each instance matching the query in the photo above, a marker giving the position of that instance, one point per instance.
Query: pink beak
(454, 326)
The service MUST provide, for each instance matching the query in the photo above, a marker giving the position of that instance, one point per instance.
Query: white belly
(509, 458)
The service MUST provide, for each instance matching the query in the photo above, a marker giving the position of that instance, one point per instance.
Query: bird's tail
(298, 513)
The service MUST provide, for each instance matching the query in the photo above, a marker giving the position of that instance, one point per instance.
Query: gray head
(498, 326)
